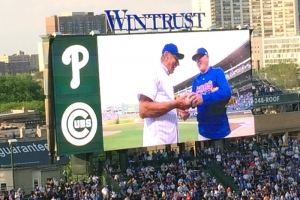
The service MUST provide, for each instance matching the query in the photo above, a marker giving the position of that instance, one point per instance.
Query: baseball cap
(200, 51)
(172, 48)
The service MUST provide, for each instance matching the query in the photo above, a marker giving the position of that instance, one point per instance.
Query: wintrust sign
(164, 21)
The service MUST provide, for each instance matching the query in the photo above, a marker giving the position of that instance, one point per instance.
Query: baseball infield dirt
(107, 133)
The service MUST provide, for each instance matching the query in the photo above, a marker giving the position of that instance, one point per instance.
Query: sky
(125, 60)
(23, 22)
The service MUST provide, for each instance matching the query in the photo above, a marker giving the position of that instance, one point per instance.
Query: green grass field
(131, 135)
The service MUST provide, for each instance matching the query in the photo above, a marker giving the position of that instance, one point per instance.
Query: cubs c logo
(79, 124)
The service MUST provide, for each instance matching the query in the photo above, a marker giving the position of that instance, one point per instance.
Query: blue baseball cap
(172, 48)
(200, 52)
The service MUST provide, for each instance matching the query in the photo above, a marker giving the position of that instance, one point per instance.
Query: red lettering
(205, 87)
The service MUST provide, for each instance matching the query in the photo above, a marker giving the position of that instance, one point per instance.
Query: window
(3, 186)
(35, 183)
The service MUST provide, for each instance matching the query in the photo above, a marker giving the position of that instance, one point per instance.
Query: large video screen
(166, 88)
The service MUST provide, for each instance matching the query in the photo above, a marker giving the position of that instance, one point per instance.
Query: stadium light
(212, 28)
(240, 27)
(56, 34)
(12, 141)
(94, 32)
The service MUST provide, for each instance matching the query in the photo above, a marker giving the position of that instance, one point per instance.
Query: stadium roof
(237, 56)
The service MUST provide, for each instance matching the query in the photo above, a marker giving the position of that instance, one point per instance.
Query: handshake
(191, 100)
(186, 101)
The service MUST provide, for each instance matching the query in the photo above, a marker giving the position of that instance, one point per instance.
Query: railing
(216, 170)
(107, 179)
(237, 74)
(265, 76)
(184, 90)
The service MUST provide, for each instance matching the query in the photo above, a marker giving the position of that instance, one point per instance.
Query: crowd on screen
(243, 102)
(110, 115)
(237, 71)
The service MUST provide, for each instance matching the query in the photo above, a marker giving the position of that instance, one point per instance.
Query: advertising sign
(122, 20)
(113, 72)
(275, 99)
(76, 95)
(28, 154)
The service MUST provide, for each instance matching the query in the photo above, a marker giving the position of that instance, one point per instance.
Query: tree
(20, 88)
(32, 105)
(285, 74)
(38, 77)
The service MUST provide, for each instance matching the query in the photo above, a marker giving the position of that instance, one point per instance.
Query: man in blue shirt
(211, 93)
(98, 195)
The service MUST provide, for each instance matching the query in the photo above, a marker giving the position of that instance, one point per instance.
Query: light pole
(11, 142)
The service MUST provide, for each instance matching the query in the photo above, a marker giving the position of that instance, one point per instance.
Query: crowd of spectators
(268, 169)
(264, 89)
(181, 178)
(243, 102)
(110, 115)
(59, 190)
(269, 173)
(115, 115)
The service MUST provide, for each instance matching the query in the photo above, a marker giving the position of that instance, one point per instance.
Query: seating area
(272, 172)
(264, 87)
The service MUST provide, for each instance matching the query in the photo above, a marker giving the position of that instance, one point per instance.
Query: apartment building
(14, 68)
(203, 6)
(281, 49)
(225, 14)
(257, 52)
(22, 58)
(75, 23)
(272, 18)
(230, 13)
(276, 19)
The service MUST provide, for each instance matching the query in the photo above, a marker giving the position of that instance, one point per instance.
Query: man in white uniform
(158, 106)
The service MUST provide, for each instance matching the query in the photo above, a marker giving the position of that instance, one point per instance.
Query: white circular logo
(79, 124)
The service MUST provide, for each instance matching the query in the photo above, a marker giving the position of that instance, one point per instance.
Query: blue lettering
(118, 18)
(154, 20)
(199, 18)
(167, 21)
(188, 18)
(174, 15)
(136, 18)
(128, 17)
